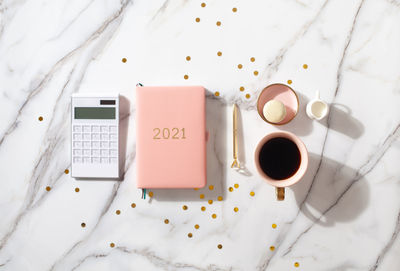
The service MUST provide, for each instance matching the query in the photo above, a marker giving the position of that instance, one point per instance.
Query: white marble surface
(344, 214)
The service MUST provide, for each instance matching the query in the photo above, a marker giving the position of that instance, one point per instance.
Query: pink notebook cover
(171, 137)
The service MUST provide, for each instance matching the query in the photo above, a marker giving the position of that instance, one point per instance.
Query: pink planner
(171, 137)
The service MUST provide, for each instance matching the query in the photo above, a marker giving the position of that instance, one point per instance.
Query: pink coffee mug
(281, 184)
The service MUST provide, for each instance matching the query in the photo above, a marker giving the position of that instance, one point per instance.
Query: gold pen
(235, 143)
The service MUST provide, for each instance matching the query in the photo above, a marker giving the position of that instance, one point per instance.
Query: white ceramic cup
(317, 108)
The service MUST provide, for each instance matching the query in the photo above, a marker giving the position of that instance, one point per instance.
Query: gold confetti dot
(151, 194)
(76, 189)
(236, 185)
(202, 196)
(218, 23)
(214, 216)
(188, 58)
(118, 212)
(241, 88)
(296, 264)
(166, 221)
(184, 207)
(83, 225)
(305, 66)
(252, 59)
(219, 246)
(236, 209)
(186, 77)
(234, 9)
(190, 235)
(124, 60)
(48, 188)
(195, 189)
(216, 93)
(219, 53)
(40, 118)
(203, 208)
(255, 73)
(211, 187)
(220, 198)
(210, 201)
(197, 20)
(272, 248)
(252, 193)
(112, 245)
(133, 205)
(240, 66)
(203, 5)
(247, 96)
(66, 171)
(230, 189)
(289, 82)
(196, 226)
(274, 226)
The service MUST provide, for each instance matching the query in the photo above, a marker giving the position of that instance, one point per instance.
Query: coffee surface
(279, 158)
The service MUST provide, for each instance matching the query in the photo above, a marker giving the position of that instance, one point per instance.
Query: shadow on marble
(217, 162)
(337, 194)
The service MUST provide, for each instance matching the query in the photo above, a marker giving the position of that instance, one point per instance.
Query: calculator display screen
(94, 112)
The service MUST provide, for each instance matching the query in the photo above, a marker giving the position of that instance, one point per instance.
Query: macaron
(274, 111)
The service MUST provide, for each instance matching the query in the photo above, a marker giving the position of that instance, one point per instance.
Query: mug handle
(280, 193)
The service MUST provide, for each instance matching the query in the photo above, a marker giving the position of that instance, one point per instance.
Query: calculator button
(86, 129)
(104, 129)
(113, 136)
(86, 152)
(113, 144)
(77, 136)
(104, 144)
(104, 160)
(104, 136)
(77, 160)
(77, 129)
(114, 153)
(86, 144)
(77, 152)
(113, 160)
(86, 136)
(113, 129)
(104, 152)
(95, 136)
(95, 129)
(95, 144)
(77, 144)
(95, 160)
(95, 152)
(87, 160)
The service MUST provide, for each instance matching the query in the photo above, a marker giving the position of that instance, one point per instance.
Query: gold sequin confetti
(196, 226)
(186, 77)
(219, 53)
(214, 216)
(252, 59)
(203, 208)
(219, 246)
(66, 171)
(289, 82)
(236, 209)
(210, 201)
(296, 264)
(83, 225)
(216, 93)
(184, 207)
(247, 96)
(48, 188)
(118, 212)
(133, 205)
(112, 245)
(202, 196)
(252, 193)
(218, 23)
(124, 60)
(240, 66)
(197, 20)
(195, 189)
(203, 5)
(40, 118)
(76, 189)
(236, 185)
(230, 189)
(272, 248)
(211, 187)
(234, 9)
(241, 88)
(220, 198)
(190, 235)
(151, 194)
(166, 221)
(255, 73)
(305, 66)
(274, 226)
(188, 58)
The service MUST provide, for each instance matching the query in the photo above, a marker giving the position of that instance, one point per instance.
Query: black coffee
(279, 158)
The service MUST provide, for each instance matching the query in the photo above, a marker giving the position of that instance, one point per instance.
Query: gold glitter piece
(241, 88)
(40, 118)
(124, 60)
(252, 59)
(210, 201)
(274, 226)
(203, 208)
(247, 96)
(272, 248)
(296, 264)
(197, 20)
(216, 93)
(219, 53)
(48, 188)
(190, 235)
(305, 66)
(289, 82)
(133, 205)
(202, 196)
(218, 23)
(112, 245)
(234, 9)
(240, 66)
(252, 193)
(220, 198)
(83, 225)
(118, 212)
(203, 5)
(188, 58)
(66, 171)
(211, 187)
(219, 246)
(230, 189)
(166, 221)
(196, 226)
(255, 73)
(214, 216)
(236, 185)
(151, 194)
(236, 209)
(184, 207)
(186, 77)
(77, 189)
(195, 189)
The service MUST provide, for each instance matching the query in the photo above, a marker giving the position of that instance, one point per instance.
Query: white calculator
(94, 135)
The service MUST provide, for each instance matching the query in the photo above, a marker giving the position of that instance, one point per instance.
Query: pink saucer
(282, 93)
